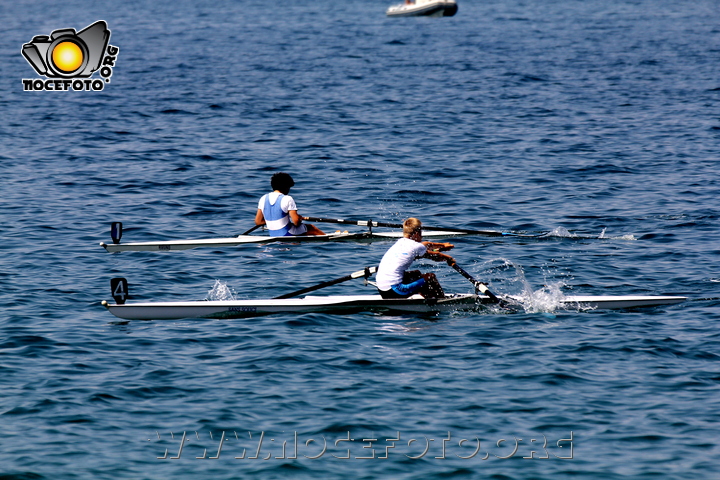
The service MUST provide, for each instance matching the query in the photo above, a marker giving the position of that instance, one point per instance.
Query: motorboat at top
(428, 8)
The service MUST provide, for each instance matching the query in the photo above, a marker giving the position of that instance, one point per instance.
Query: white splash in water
(547, 299)
(630, 237)
(220, 292)
(510, 278)
(560, 232)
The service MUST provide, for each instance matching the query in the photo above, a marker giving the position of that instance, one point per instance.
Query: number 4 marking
(119, 291)
(118, 286)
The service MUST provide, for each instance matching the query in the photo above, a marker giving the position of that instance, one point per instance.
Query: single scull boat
(173, 245)
(343, 304)
(368, 235)
(358, 303)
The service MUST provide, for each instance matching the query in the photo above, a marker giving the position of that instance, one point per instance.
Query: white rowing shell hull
(618, 301)
(355, 303)
(246, 308)
(172, 245)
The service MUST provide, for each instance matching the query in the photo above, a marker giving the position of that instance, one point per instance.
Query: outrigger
(344, 304)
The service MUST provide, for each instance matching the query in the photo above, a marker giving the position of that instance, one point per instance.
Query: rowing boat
(293, 303)
(343, 304)
(173, 245)
(432, 233)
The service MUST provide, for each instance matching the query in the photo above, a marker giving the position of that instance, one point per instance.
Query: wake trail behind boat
(562, 232)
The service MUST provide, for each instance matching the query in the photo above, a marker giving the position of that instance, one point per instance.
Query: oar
(370, 223)
(251, 230)
(360, 273)
(479, 286)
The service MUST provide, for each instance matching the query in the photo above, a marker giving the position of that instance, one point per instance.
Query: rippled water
(565, 117)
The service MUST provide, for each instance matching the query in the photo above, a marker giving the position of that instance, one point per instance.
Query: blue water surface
(576, 118)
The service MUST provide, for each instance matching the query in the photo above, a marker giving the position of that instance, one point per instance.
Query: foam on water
(220, 292)
(510, 279)
(562, 232)
(544, 300)
(629, 237)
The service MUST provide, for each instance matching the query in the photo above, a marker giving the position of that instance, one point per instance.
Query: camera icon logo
(66, 53)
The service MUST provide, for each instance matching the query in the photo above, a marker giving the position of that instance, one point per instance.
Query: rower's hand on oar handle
(438, 246)
(437, 256)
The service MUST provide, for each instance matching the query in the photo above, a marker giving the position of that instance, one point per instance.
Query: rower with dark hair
(278, 211)
(393, 279)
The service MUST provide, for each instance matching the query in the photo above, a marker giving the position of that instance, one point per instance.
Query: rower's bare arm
(295, 218)
(259, 218)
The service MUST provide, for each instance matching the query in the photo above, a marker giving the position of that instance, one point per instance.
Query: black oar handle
(360, 273)
(252, 229)
(370, 223)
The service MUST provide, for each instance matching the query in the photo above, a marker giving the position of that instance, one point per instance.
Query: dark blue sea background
(578, 118)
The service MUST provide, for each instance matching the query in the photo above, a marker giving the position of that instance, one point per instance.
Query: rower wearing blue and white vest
(277, 210)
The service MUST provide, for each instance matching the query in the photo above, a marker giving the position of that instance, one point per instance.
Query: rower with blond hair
(393, 279)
